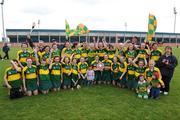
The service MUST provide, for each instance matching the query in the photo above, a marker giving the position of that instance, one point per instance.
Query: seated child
(142, 87)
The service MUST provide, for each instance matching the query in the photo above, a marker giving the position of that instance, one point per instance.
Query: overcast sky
(95, 14)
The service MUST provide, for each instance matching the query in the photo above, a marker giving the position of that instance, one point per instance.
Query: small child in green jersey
(142, 88)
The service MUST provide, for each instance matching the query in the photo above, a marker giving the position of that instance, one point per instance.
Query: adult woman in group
(167, 64)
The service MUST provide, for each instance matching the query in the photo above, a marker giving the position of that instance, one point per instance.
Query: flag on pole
(67, 28)
(152, 25)
(80, 29)
(73, 32)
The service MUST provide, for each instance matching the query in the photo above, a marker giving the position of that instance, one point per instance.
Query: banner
(80, 29)
(152, 25)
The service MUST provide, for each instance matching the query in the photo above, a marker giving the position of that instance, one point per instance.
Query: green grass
(96, 102)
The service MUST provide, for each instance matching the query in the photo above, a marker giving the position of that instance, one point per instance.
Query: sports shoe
(165, 93)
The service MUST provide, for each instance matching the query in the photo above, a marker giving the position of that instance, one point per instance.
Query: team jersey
(155, 83)
(12, 74)
(67, 52)
(115, 67)
(84, 53)
(142, 86)
(82, 67)
(149, 73)
(94, 64)
(22, 56)
(131, 69)
(66, 68)
(56, 69)
(77, 53)
(111, 54)
(130, 54)
(34, 57)
(43, 70)
(142, 53)
(107, 63)
(101, 52)
(156, 54)
(56, 53)
(139, 71)
(123, 67)
(45, 55)
(120, 52)
(75, 69)
(91, 53)
(30, 72)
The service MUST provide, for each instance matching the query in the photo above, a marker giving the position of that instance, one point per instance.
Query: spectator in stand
(6, 50)
(167, 64)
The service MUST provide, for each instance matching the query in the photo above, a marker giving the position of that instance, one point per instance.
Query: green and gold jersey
(22, 56)
(142, 53)
(123, 67)
(66, 68)
(111, 54)
(91, 53)
(142, 86)
(115, 67)
(77, 53)
(75, 69)
(94, 64)
(156, 54)
(43, 70)
(56, 53)
(34, 57)
(12, 74)
(149, 73)
(131, 69)
(29, 72)
(107, 63)
(84, 53)
(45, 55)
(101, 52)
(56, 69)
(130, 54)
(67, 52)
(82, 67)
(155, 83)
(140, 71)
(120, 52)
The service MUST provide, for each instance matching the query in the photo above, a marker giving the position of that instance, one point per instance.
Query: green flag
(67, 28)
(80, 29)
(152, 25)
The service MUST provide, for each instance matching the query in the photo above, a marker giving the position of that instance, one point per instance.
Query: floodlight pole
(2, 12)
(125, 25)
(175, 13)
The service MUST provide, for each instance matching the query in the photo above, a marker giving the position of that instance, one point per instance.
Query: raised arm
(15, 66)
(36, 56)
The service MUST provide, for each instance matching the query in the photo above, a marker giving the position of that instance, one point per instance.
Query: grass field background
(94, 103)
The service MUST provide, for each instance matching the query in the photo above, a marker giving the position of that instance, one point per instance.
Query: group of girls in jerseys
(46, 68)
